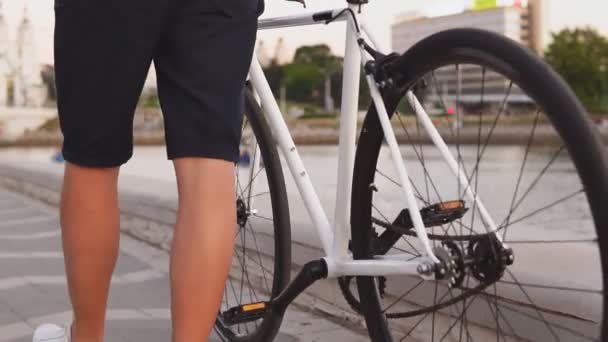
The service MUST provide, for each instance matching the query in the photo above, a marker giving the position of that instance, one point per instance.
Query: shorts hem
(95, 162)
(229, 157)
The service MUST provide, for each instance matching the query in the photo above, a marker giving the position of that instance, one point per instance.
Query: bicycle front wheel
(262, 255)
(531, 153)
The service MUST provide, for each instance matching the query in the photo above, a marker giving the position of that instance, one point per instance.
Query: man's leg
(202, 63)
(202, 244)
(103, 51)
(90, 226)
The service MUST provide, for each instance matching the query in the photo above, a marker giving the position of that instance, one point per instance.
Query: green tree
(329, 65)
(48, 78)
(581, 57)
(303, 81)
(319, 55)
(314, 68)
(274, 75)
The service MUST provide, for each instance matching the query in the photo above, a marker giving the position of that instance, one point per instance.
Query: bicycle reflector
(450, 205)
(244, 313)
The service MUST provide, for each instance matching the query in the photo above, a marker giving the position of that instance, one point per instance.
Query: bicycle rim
(535, 183)
(262, 253)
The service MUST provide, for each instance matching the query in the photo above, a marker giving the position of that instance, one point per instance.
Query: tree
(329, 65)
(580, 56)
(302, 81)
(48, 79)
(319, 55)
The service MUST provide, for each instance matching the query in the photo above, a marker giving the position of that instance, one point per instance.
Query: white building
(519, 20)
(20, 72)
(514, 22)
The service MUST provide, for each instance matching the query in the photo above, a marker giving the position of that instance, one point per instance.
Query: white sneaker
(51, 333)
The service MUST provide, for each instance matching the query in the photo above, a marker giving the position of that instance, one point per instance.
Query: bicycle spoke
(445, 109)
(552, 287)
(452, 325)
(513, 242)
(418, 195)
(239, 189)
(548, 206)
(410, 290)
(256, 262)
(414, 256)
(245, 278)
(260, 194)
(552, 324)
(426, 181)
(459, 317)
(404, 239)
(497, 313)
(489, 136)
(257, 248)
(535, 307)
(498, 329)
(459, 120)
(464, 321)
(521, 171)
(420, 320)
(262, 217)
(533, 184)
(478, 154)
(420, 159)
(253, 179)
(243, 265)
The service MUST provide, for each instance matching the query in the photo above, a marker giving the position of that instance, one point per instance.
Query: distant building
(20, 72)
(277, 56)
(518, 20)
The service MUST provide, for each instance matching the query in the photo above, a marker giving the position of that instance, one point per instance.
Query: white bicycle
(438, 234)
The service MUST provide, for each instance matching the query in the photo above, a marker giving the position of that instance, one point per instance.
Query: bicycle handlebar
(354, 2)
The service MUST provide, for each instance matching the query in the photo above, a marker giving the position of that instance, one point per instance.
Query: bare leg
(90, 227)
(202, 245)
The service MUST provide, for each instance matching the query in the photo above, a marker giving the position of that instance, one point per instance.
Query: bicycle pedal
(434, 215)
(245, 313)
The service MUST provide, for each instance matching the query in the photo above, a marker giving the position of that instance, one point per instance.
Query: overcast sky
(380, 13)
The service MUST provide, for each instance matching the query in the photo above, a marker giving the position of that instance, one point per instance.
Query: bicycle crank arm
(310, 273)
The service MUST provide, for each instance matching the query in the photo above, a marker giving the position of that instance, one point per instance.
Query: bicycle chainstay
(489, 259)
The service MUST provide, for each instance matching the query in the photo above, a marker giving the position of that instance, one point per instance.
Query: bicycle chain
(355, 304)
(443, 238)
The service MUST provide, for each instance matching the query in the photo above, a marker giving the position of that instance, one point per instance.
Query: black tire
(267, 244)
(540, 82)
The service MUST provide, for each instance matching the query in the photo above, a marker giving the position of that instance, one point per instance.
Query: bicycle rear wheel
(531, 153)
(262, 254)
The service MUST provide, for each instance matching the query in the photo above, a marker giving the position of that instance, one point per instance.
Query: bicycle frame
(335, 239)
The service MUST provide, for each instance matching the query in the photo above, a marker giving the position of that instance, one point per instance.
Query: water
(568, 264)
(149, 172)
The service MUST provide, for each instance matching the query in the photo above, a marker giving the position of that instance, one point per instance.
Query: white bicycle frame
(335, 238)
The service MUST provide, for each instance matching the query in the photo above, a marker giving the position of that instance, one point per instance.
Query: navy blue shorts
(201, 50)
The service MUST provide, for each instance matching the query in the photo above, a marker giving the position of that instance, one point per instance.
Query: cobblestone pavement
(33, 288)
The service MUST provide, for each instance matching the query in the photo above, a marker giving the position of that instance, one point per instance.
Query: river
(564, 265)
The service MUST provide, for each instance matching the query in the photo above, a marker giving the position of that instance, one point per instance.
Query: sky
(380, 15)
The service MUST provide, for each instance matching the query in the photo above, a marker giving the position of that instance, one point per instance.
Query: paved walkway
(33, 289)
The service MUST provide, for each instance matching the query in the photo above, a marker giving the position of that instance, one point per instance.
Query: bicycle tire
(565, 112)
(266, 328)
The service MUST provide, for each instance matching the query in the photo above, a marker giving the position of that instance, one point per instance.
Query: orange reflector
(451, 205)
(255, 306)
